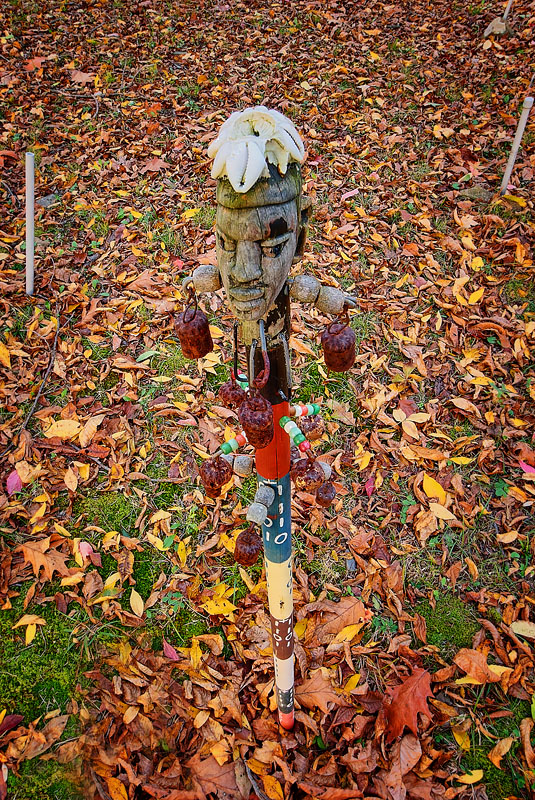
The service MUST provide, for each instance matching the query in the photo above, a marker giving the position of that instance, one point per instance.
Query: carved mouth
(247, 295)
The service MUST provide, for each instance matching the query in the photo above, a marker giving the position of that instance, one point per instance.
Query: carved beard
(255, 249)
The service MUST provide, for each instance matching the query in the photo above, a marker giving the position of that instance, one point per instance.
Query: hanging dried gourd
(307, 475)
(248, 547)
(215, 473)
(232, 395)
(338, 342)
(193, 329)
(256, 413)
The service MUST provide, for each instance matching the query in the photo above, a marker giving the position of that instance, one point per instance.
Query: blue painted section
(277, 530)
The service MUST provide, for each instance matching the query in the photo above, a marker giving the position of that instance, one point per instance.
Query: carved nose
(248, 264)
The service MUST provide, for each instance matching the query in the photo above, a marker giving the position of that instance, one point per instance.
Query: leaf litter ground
(136, 656)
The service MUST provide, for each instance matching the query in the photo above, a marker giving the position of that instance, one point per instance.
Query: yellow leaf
(489, 416)
(524, 628)
(181, 553)
(2, 714)
(137, 252)
(432, 488)
(461, 460)
(5, 358)
(136, 603)
(30, 633)
(29, 619)
(219, 606)
(470, 777)
(520, 200)
(64, 429)
(477, 263)
(468, 680)
(461, 737)
(410, 429)
(159, 516)
(498, 670)
(89, 430)
(441, 512)
(83, 470)
(216, 332)
(116, 788)
(130, 714)
(154, 540)
(272, 787)
(476, 296)
(201, 718)
(135, 214)
(348, 633)
(352, 682)
(190, 213)
(300, 628)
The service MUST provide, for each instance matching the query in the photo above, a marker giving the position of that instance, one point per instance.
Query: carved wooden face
(255, 248)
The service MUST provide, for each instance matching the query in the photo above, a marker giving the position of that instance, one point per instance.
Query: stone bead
(305, 288)
(257, 513)
(265, 495)
(228, 457)
(330, 300)
(326, 468)
(243, 465)
(206, 278)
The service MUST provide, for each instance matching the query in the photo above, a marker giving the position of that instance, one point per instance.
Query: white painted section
(280, 588)
(284, 673)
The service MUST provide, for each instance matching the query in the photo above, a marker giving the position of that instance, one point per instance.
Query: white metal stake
(30, 216)
(526, 108)
(507, 10)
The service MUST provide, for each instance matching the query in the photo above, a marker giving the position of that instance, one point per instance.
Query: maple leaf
(81, 77)
(408, 700)
(154, 165)
(51, 561)
(317, 692)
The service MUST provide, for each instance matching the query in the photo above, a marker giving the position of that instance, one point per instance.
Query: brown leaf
(525, 731)
(40, 557)
(317, 692)
(499, 750)
(348, 611)
(209, 776)
(408, 700)
(82, 77)
(474, 663)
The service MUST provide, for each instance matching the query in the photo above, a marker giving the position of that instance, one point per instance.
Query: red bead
(304, 409)
(241, 439)
(304, 446)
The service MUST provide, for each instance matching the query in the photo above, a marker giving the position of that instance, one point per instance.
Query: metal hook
(235, 333)
(260, 380)
(287, 361)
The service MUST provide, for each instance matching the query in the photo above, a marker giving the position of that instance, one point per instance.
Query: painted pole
(273, 469)
(526, 108)
(30, 217)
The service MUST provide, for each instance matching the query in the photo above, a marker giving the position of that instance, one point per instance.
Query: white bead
(298, 411)
(326, 468)
(265, 495)
(257, 513)
(288, 427)
(243, 465)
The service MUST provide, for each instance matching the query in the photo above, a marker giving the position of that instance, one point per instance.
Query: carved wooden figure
(261, 226)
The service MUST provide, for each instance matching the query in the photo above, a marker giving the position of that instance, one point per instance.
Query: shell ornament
(251, 139)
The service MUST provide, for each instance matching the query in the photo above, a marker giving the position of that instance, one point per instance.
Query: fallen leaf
(317, 692)
(407, 701)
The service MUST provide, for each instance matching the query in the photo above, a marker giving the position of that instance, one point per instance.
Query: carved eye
(273, 250)
(226, 244)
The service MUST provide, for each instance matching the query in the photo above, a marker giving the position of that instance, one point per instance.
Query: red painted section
(287, 720)
(273, 461)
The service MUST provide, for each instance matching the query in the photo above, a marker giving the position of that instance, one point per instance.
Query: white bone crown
(248, 140)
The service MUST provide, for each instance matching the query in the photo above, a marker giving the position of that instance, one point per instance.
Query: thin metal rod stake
(507, 10)
(30, 219)
(526, 108)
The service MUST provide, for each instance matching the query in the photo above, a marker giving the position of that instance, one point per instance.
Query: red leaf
(34, 63)
(408, 700)
(170, 652)
(370, 486)
(9, 722)
(526, 467)
(13, 482)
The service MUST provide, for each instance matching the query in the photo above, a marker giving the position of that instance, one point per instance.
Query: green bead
(283, 421)
(299, 438)
(226, 448)
(244, 385)
(316, 408)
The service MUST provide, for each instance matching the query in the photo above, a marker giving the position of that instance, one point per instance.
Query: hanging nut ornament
(338, 342)
(312, 427)
(325, 494)
(215, 473)
(256, 418)
(248, 546)
(232, 395)
(307, 475)
(193, 329)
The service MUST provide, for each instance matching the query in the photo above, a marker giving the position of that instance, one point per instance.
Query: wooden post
(30, 216)
(526, 108)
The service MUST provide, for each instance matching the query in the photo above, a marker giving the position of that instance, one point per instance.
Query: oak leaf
(474, 663)
(209, 776)
(408, 700)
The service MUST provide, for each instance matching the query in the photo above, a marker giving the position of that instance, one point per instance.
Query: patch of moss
(499, 783)
(42, 780)
(112, 511)
(451, 625)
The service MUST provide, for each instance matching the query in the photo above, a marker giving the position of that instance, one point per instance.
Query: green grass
(112, 511)
(42, 780)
